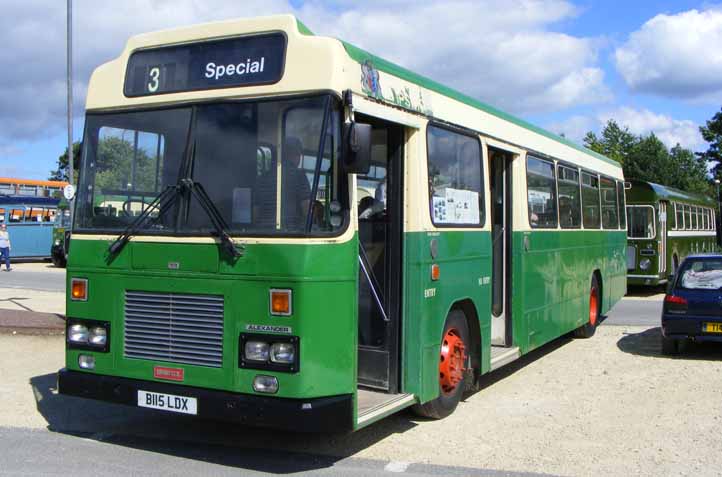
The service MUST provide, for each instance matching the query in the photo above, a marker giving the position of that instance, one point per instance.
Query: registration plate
(712, 327)
(168, 402)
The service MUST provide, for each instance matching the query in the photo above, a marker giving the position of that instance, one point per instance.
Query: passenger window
(609, 204)
(455, 178)
(590, 201)
(16, 215)
(687, 217)
(680, 216)
(2, 216)
(541, 193)
(621, 200)
(570, 203)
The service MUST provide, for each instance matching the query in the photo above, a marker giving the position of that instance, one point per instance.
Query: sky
(566, 65)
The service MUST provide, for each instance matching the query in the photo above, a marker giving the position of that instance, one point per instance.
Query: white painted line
(397, 466)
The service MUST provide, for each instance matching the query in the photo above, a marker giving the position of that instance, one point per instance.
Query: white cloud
(676, 56)
(639, 122)
(504, 52)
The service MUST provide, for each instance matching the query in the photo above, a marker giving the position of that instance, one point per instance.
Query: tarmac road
(34, 276)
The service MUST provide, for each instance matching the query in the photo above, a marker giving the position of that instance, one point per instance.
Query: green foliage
(61, 173)
(712, 133)
(647, 158)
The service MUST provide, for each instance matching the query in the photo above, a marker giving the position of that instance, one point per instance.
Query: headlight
(272, 352)
(256, 351)
(89, 335)
(86, 361)
(645, 263)
(57, 243)
(98, 336)
(78, 334)
(283, 353)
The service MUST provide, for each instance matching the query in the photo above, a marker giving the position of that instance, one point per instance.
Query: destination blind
(244, 61)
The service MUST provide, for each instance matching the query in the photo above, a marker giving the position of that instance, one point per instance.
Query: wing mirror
(357, 148)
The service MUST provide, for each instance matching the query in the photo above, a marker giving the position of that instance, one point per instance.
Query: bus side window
(16, 216)
(541, 193)
(2, 216)
(609, 204)
(570, 205)
(621, 200)
(590, 201)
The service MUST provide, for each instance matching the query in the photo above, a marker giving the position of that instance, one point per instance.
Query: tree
(615, 142)
(690, 171)
(712, 133)
(61, 173)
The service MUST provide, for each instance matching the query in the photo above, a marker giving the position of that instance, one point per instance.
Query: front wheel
(590, 327)
(453, 358)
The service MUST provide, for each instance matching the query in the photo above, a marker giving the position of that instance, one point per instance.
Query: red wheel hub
(451, 361)
(593, 307)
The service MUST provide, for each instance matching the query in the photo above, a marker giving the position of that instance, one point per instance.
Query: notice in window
(456, 207)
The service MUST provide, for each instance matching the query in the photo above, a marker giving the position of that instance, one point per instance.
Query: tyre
(670, 346)
(453, 359)
(590, 327)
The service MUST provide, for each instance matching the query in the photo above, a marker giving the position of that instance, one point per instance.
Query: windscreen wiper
(226, 243)
(162, 202)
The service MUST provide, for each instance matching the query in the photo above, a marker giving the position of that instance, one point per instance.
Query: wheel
(453, 359)
(590, 327)
(670, 346)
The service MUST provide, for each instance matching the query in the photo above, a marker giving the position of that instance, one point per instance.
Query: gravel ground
(606, 406)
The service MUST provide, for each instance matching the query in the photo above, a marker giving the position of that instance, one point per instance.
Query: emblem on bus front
(173, 265)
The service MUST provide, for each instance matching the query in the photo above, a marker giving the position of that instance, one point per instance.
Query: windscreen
(640, 220)
(269, 167)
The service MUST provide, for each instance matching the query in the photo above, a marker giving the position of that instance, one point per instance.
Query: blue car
(693, 305)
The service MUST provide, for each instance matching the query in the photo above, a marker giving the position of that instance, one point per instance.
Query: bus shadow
(648, 343)
(220, 443)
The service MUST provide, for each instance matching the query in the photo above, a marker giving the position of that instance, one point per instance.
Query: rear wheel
(670, 346)
(588, 330)
(453, 358)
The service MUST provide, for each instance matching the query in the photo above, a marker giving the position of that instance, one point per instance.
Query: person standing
(5, 247)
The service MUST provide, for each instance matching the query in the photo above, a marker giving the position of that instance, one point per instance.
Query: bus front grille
(631, 257)
(174, 327)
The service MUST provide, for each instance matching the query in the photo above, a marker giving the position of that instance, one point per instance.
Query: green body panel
(552, 273)
(323, 279)
(551, 280)
(464, 258)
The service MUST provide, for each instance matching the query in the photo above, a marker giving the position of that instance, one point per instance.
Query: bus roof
(32, 182)
(644, 191)
(361, 56)
(317, 63)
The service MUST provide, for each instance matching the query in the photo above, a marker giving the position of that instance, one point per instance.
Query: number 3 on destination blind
(154, 74)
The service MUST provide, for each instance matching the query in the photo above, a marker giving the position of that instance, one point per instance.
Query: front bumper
(689, 327)
(327, 414)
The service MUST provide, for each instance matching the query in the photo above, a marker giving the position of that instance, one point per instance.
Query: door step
(501, 356)
(372, 405)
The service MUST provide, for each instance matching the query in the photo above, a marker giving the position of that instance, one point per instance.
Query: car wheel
(453, 358)
(670, 346)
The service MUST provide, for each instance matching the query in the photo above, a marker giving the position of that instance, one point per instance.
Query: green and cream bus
(326, 238)
(665, 225)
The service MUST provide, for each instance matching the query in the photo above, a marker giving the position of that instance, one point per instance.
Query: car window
(701, 275)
